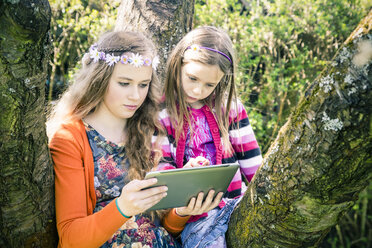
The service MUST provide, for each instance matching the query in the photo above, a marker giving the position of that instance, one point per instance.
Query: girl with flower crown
(206, 124)
(100, 137)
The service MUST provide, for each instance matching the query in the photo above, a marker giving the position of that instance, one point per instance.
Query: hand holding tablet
(201, 204)
(186, 183)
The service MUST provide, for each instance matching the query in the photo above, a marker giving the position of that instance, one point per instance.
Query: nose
(134, 93)
(197, 90)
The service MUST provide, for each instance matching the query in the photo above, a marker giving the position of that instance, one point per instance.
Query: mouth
(131, 107)
(192, 98)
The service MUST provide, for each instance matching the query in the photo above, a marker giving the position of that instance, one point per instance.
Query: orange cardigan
(75, 193)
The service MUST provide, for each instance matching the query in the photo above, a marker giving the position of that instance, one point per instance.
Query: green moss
(312, 215)
(355, 143)
(13, 1)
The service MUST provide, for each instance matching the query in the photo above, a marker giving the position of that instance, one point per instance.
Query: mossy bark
(26, 173)
(166, 22)
(320, 161)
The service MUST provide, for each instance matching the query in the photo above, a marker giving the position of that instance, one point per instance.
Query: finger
(152, 200)
(208, 202)
(199, 200)
(209, 198)
(143, 194)
(202, 161)
(217, 199)
(137, 185)
(198, 162)
(195, 163)
(209, 205)
(144, 204)
(205, 162)
(189, 163)
(214, 204)
(188, 210)
(191, 204)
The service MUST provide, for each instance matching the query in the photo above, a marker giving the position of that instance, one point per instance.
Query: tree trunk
(26, 172)
(320, 161)
(166, 22)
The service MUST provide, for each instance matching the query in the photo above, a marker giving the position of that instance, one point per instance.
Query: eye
(144, 85)
(192, 78)
(210, 85)
(123, 84)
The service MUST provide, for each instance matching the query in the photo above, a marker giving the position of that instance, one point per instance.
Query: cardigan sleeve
(76, 227)
(174, 223)
(244, 142)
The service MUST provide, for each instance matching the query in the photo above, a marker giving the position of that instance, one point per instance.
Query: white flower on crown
(94, 54)
(136, 60)
(111, 59)
(155, 62)
(195, 48)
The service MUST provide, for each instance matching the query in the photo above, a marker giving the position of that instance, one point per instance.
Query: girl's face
(127, 90)
(199, 81)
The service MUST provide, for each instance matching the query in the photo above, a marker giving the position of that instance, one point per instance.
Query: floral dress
(110, 175)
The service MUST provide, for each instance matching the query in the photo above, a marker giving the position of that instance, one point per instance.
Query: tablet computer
(185, 183)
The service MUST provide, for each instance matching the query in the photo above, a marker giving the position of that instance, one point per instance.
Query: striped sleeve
(244, 142)
(167, 144)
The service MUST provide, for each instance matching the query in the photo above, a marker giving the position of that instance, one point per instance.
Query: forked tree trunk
(320, 161)
(26, 172)
(166, 22)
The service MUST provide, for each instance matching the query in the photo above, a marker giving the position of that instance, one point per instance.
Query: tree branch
(321, 159)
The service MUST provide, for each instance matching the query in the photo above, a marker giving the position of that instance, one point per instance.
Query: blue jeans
(209, 231)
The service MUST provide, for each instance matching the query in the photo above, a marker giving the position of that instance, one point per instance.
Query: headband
(196, 48)
(134, 59)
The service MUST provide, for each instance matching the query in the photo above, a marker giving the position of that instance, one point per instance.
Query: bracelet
(117, 206)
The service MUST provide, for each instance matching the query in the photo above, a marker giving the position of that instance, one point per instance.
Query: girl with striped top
(206, 124)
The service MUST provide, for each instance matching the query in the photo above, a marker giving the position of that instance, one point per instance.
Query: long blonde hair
(89, 87)
(223, 95)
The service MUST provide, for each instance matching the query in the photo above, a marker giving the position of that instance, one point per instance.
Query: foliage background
(282, 45)
(75, 25)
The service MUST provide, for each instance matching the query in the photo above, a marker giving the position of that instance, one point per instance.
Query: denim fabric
(209, 231)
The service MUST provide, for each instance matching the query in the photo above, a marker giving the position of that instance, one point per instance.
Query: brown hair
(224, 93)
(89, 87)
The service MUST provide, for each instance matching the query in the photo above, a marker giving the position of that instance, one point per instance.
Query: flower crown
(196, 48)
(134, 59)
